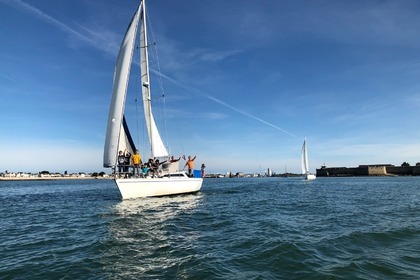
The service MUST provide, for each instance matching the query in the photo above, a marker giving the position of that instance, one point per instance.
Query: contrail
(214, 99)
(7, 77)
(25, 7)
(43, 16)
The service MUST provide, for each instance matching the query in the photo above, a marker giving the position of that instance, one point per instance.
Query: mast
(144, 66)
(157, 147)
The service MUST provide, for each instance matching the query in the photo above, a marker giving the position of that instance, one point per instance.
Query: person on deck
(121, 160)
(127, 159)
(173, 159)
(144, 170)
(190, 164)
(155, 166)
(203, 172)
(136, 162)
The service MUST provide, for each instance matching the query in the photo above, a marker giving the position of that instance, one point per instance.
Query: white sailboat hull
(145, 187)
(310, 176)
(118, 137)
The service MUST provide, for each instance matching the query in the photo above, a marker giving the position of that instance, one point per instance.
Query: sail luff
(157, 147)
(116, 110)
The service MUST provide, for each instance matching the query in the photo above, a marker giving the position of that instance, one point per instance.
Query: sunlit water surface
(260, 228)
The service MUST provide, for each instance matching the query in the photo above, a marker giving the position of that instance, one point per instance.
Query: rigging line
(160, 79)
(197, 91)
(139, 95)
(164, 120)
(180, 140)
(152, 36)
(137, 116)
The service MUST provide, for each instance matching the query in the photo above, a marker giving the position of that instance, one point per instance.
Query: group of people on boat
(153, 167)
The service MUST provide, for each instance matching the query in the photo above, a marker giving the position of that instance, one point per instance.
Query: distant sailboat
(305, 164)
(169, 180)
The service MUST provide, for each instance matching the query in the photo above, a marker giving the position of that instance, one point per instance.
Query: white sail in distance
(304, 161)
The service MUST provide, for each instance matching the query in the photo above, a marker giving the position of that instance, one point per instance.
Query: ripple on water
(260, 228)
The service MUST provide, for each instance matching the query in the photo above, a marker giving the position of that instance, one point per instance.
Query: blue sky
(245, 81)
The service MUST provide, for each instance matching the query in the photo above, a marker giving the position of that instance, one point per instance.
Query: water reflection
(145, 235)
(166, 207)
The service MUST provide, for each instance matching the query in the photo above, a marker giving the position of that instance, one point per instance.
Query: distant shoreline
(50, 178)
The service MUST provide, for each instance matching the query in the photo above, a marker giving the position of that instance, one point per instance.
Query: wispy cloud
(392, 23)
(214, 116)
(217, 56)
(220, 102)
(25, 7)
(413, 100)
(180, 57)
(7, 77)
(366, 111)
(209, 56)
(104, 41)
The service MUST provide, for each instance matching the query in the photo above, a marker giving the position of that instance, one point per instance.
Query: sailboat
(169, 180)
(305, 164)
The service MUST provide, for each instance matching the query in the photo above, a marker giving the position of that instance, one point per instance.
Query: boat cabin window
(174, 175)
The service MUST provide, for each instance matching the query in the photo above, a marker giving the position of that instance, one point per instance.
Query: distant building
(368, 170)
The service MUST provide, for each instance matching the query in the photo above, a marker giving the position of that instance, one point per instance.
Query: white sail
(157, 147)
(115, 129)
(305, 163)
(304, 160)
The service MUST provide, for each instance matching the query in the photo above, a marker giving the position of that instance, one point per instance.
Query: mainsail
(116, 133)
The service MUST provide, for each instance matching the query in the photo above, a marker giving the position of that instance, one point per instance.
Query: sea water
(238, 228)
